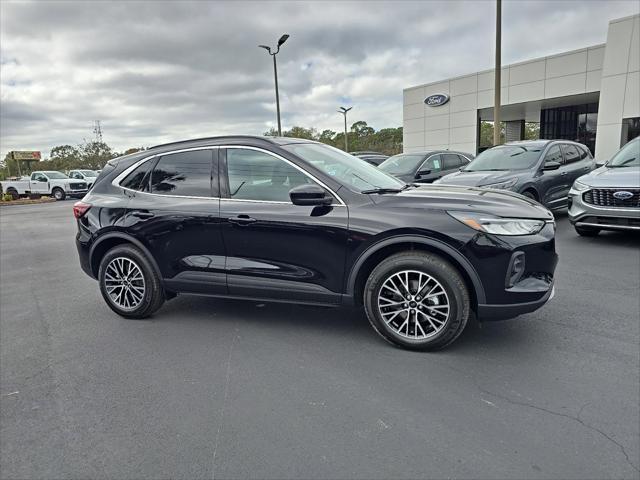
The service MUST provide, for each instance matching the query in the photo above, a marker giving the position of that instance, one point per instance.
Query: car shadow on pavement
(341, 322)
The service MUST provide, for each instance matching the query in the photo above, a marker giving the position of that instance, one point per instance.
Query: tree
(95, 154)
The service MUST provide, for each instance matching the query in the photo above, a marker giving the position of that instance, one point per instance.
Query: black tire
(587, 232)
(14, 193)
(530, 194)
(153, 296)
(58, 194)
(439, 270)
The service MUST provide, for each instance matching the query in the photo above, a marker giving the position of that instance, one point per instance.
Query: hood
(625, 177)
(477, 179)
(502, 203)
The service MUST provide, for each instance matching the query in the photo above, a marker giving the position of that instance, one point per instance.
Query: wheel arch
(109, 240)
(371, 257)
(530, 187)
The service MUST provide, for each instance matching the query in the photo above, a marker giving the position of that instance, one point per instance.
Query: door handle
(242, 220)
(142, 214)
(563, 173)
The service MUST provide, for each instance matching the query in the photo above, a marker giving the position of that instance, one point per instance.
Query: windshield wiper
(487, 170)
(384, 190)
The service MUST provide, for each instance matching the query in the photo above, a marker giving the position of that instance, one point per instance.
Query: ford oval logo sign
(623, 195)
(436, 100)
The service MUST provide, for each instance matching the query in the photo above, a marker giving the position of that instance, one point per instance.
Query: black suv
(543, 170)
(292, 220)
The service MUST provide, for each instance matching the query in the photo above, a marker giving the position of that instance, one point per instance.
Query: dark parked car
(374, 158)
(609, 197)
(291, 220)
(425, 167)
(543, 170)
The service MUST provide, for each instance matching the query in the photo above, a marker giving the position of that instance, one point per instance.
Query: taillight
(80, 208)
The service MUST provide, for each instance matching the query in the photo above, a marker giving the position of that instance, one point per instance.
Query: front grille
(603, 197)
(78, 186)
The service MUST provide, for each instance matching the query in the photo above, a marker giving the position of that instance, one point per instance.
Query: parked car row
(556, 173)
(53, 183)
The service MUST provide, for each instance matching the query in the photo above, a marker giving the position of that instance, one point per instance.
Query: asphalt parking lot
(226, 389)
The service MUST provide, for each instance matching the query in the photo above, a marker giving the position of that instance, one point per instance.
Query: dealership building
(591, 95)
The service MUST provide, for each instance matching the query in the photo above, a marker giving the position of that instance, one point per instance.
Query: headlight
(498, 225)
(579, 186)
(501, 185)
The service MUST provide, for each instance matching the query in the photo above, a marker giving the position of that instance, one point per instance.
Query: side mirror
(551, 166)
(309, 195)
(422, 172)
(599, 163)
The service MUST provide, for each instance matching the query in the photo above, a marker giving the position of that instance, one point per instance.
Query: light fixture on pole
(344, 111)
(283, 39)
(497, 128)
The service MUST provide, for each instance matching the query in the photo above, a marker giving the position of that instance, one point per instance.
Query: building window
(575, 122)
(630, 130)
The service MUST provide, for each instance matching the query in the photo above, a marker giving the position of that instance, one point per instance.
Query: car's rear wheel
(58, 194)
(587, 232)
(14, 193)
(417, 300)
(129, 283)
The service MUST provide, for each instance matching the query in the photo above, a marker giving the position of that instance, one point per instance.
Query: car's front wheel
(59, 194)
(129, 283)
(417, 300)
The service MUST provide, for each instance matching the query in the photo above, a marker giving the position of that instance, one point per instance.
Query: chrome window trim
(116, 181)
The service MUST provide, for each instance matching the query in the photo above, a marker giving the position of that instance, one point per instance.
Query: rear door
(578, 161)
(451, 163)
(175, 212)
(276, 249)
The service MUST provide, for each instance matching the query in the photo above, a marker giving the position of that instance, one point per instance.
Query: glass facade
(630, 130)
(576, 122)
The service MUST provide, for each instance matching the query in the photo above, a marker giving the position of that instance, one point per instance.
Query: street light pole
(344, 111)
(283, 39)
(498, 70)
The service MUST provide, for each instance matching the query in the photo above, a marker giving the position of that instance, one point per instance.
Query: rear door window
(186, 174)
(451, 161)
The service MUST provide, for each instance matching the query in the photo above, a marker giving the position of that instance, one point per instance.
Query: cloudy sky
(160, 71)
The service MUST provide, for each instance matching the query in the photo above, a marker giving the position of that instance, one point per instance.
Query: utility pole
(344, 111)
(497, 86)
(283, 39)
(97, 130)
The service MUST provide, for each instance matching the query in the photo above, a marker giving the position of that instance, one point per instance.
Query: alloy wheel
(413, 304)
(124, 283)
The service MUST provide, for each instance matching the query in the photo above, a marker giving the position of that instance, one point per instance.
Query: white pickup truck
(56, 184)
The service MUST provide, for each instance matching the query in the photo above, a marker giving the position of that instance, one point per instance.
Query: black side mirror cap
(309, 195)
(551, 166)
(422, 172)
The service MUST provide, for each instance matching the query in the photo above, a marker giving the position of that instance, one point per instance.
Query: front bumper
(582, 214)
(517, 272)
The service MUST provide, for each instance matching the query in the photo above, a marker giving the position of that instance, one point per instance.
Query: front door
(276, 249)
(174, 211)
(554, 184)
(39, 183)
(430, 170)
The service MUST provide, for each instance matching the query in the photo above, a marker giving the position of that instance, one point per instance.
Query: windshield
(351, 171)
(508, 157)
(628, 156)
(401, 164)
(55, 175)
(88, 173)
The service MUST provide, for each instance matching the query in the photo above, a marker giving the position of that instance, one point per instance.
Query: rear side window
(584, 153)
(571, 154)
(133, 181)
(451, 161)
(186, 174)
(463, 160)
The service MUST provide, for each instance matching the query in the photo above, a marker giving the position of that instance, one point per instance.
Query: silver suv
(609, 197)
